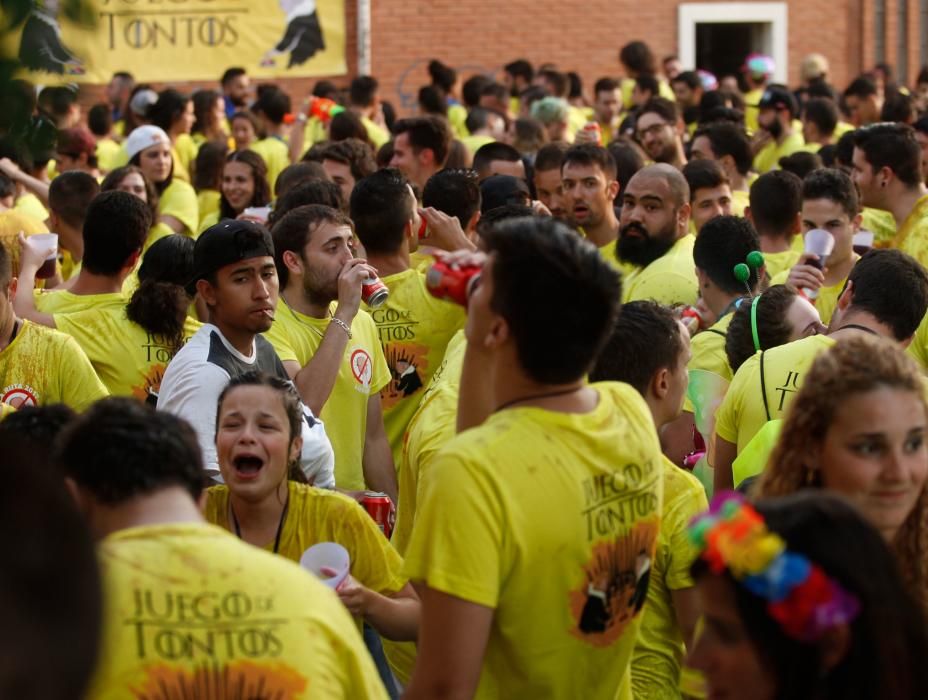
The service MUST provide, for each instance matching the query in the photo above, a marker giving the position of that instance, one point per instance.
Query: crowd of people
(615, 393)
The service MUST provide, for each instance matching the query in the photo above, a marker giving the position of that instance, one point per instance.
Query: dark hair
(230, 75)
(801, 163)
(819, 87)
(55, 101)
(495, 90)
(833, 184)
(776, 198)
(273, 103)
(262, 190)
(661, 106)
(893, 287)
(7, 186)
(293, 406)
(728, 139)
(207, 170)
(703, 173)
(100, 120)
(491, 219)
(648, 83)
(722, 243)
(293, 231)
(576, 85)
(689, 78)
(531, 95)
(314, 152)
(327, 89)
(296, 174)
(472, 89)
(426, 132)
(443, 77)
(458, 157)
(538, 253)
(6, 268)
(605, 85)
(37, 425)
(248, 117)
(204, 102)
(637, 57)
(520, 68)
(590, 154)
(380, 209)
(159, 187)
(823, 113)
(560, 85)
(70, 195)
(646, 338)
(362, 91)
(628, 160)
(116, 226)
(455, 192)
(887, 643)
(921, 125)
(772, 327)
(898, 107)
(319, 192)
(861, 87)
(120, 448)
(354, 153)
(828, 154)
(891, 146)
(115, 178)
(51, 598)
(495, 150)
(168, 109)
(431, 100)
(347, 125)
(550, 156)
(476, 119)
(159, 304)
(844, 149)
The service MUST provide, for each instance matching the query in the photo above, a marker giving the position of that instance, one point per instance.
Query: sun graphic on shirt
(151, 384)
(239, 679)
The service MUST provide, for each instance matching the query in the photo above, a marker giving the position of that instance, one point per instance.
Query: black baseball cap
(500, 190)
(778, 97)
(226, 243)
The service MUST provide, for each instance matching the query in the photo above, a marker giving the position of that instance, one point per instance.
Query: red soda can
(374, 292)
(454, 283)
(380, 508)
(593, 130)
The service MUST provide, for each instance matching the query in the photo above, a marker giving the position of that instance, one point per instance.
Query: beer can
(374, 292)
(593, 130)
(449, 282)
(380, 508)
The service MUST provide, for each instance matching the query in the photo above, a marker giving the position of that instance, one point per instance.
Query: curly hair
(853, 366)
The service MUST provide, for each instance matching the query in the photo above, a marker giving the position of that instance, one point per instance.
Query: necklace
(280, 525)
(300, 320)
(547, 395)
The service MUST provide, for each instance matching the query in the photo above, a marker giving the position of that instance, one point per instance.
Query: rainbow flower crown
(800, 596)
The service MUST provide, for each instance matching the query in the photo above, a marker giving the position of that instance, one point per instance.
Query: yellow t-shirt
(208, 202)
(740, 200)
(316, 515)
(5, 410)
(912, 237)
(276, 156)
(186, 149)
(576, 120)
(475, 142)
(432, 426)
(129, 360)
(180, 201)
(671, 279)
(881, 223)
(363, 373)
(751, 110)
(63, 301)
(742, 414)
(376, 133)
(43, 366)
(179, 171)
(188, 606)
(769, 157)
(12, 221)
(32, 206)
(659, 653)
(918, 348)
(108, 155)
(313, 132)
(777, 263)
(537, 510)
(414, 329)
(628, 85)
(207, 221)
(457, 116)
(707, 349)
(827, 300)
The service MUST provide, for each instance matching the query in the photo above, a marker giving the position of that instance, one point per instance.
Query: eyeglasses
(640, 134)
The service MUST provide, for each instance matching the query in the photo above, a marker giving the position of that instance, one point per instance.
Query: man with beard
(588, 178)
(653, 238)
(659, 130)
(328, 346)
(776, 136)
(236, 88)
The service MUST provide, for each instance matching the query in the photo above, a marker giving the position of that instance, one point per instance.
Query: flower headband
(800, 596)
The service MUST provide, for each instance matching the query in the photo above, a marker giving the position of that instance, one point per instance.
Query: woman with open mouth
(261, 501)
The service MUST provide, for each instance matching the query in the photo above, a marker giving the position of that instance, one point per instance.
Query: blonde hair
(853, 366)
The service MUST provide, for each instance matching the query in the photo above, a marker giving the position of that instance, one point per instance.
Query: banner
(179, 40)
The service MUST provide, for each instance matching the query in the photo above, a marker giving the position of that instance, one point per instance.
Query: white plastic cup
(327, 555)
(259, 214)
(46, 240)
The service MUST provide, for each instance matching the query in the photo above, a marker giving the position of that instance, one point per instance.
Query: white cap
(144, 137)
(141, 101)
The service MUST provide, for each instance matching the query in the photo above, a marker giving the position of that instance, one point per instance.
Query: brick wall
(481, 35)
